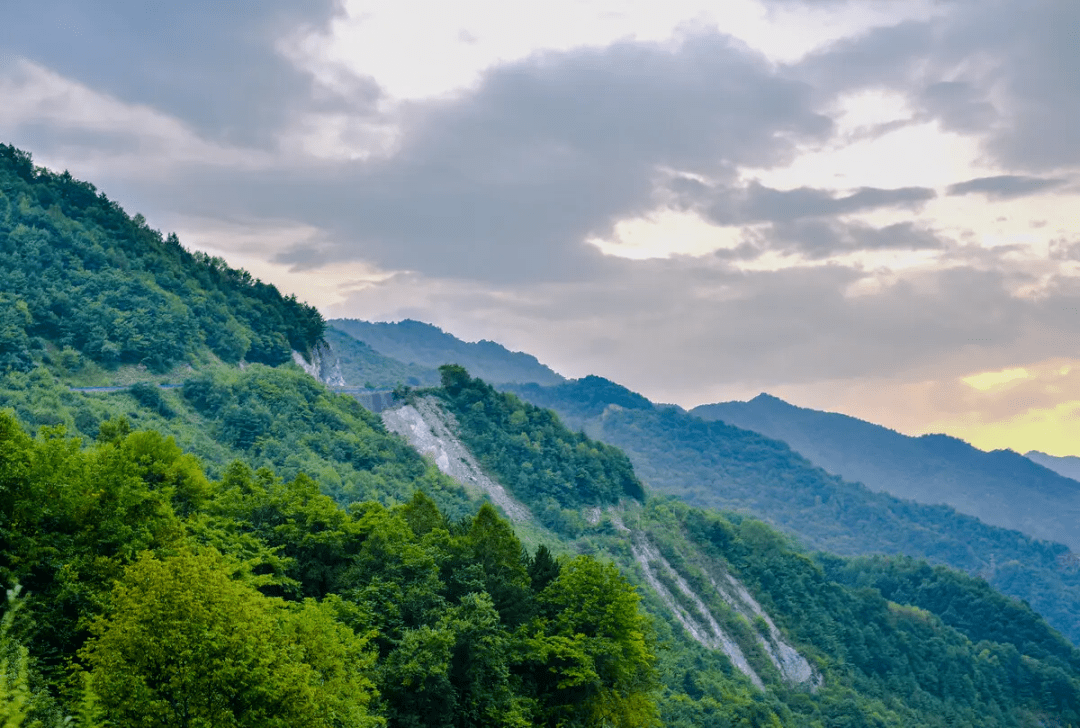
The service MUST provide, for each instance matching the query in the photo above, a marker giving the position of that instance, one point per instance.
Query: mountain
(745, 628)
(717, 465)
(1068, 465)
(1000, 487)
(361, 366)
(235, 544)
(421, 344)
(82, 281)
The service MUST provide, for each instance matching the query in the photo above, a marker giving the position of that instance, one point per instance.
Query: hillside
(376, 600)
(413, 342)
(713, 464)
(1068, 465)
(81, 281)
(1001, 487)
(362, 366)
(246, 547)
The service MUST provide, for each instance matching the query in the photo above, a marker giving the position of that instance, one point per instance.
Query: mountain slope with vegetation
(247, 548)
(424, 345)
(716, 465)
(362, 366)
(402, 613)
(1002, 487)
(80, 279)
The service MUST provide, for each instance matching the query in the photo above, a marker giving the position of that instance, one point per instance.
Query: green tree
(596, 651)
(186, 646)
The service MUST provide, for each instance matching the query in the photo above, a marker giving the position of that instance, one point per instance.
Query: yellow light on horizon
(990, 380)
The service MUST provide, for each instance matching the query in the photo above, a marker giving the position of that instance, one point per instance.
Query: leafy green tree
(185, 645)
(480, 666)
(14, 343)
(596, 650)
(22, 704)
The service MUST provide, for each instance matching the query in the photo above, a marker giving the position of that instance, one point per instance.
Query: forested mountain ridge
(424, 345)
(80, 279)
(437, 603)
(1002, 487)
(1068, 465)
(361, 365)
(717, 465)
(251, 549)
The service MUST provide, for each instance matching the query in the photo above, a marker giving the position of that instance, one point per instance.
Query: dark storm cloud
(1006, 186)
(212, 64)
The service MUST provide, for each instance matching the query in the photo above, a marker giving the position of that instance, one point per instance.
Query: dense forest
(714, 464)
(244, 547)
(170, 599)
(140, 575)
(530, 451)
(78, 276)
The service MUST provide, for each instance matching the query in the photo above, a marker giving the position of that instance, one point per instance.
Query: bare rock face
(430, 429)
(324, 365)
(703, 626)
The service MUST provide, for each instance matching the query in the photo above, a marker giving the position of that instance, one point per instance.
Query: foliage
(361, 365)
(184, 644)
(269, 417)
(713, 464)
(23, 702)
(968, 604)
(530, 451)
(257, 601)
(77, 271)
(908, 660)
(927, 469)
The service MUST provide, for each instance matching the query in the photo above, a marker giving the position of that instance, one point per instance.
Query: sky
(868, 207)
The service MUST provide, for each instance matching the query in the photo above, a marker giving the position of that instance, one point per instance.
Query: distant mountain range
(1069, 465)
(424, 345)
(719, 465)
(1001, 487)
(360, 365)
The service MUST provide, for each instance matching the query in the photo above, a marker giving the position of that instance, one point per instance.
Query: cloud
(475, 210)
(1005, 186)
(757, 203)
(987, 67)
(216, 66)
(820, 239)
(508, 181)
(716, 332)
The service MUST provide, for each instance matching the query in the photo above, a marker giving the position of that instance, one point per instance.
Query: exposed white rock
(324, 365)
(430, 429)
(793, 667)
(710, 634)
(616, 519)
